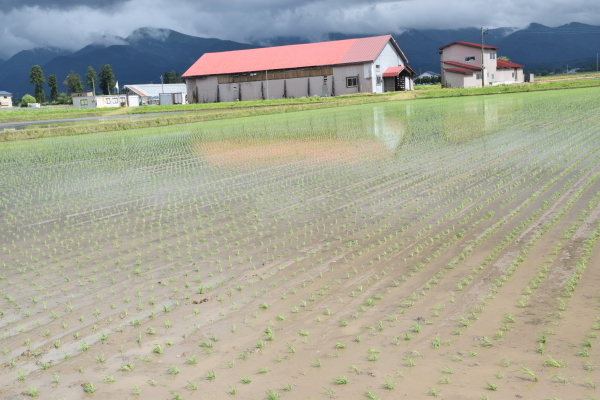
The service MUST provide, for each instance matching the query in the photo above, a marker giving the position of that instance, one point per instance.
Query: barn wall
(347, 71)
(295, 88)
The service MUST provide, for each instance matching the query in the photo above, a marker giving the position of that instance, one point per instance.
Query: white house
(366, 65)
(461, 65)
(5, 99)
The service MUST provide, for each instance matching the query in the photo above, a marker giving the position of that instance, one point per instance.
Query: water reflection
(345, 134)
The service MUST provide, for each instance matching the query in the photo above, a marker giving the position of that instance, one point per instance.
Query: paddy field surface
(418, 249)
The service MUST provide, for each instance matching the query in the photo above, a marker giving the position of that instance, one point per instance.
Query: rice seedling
(551, 362)
(89, 387)
(527, 371)
(370, 395)
(172, 370)
(589, 383)
(21, 375)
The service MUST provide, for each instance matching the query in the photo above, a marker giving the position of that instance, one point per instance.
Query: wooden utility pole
(482, 58)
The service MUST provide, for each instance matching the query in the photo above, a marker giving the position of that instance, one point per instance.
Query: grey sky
(72, 24)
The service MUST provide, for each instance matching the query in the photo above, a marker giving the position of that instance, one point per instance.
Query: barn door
(325, 88)
(389, 84)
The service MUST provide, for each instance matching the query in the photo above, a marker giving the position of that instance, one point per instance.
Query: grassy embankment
(189, 113)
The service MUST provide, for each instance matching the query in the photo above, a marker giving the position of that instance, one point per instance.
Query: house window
(492, 56)
(83, 102)
(513, 74)
(470, 58)
(478, 76)
(377, 68)
(492, 76)
(352, 81)
(108, 101)
(379, 81)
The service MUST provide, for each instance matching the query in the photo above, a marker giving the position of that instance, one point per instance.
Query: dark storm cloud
(73, 24)
(7, 5)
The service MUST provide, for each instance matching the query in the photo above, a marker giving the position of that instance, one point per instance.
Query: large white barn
(366, 65)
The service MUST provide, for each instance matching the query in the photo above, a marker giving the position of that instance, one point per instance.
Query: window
(470, 58)
(83, 102)
(492, 76)
(492, 56)
(513, 74)
(379, 81)
(478, 76)
(108, 100)
(115, 100)
(352, 81)
(377, 68)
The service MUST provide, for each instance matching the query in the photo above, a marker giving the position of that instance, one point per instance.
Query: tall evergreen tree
(53, 84)
(36, 76)
(73, 81)
(91, 78)
(172, 77)
(107, 78)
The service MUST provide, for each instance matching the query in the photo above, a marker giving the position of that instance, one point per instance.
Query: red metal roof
(478, 45)
(347, 51)
(393, 71)
(460, 71)
(507, 64)
(457, 64)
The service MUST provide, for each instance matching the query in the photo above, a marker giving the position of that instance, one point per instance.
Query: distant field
(443, 248)
(181, 114)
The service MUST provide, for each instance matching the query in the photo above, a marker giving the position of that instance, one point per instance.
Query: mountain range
(147, 53)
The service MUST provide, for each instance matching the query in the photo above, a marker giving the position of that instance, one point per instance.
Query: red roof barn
(373, 65)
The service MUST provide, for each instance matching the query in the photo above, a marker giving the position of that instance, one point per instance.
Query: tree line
(428, 80)
(104, 81)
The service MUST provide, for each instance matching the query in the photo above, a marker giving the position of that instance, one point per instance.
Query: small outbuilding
(461, 65)
(5, 99)
(428, 74)
(366, 65)
(100, 101)
(153, 94)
